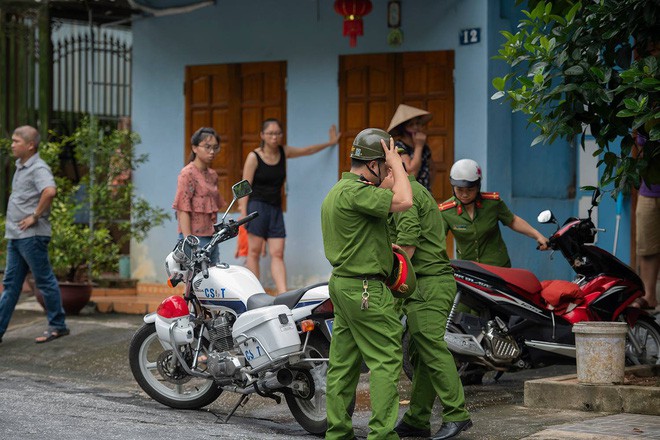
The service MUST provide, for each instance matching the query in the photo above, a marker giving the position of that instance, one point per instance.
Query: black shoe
(406, 430)
(451, 429)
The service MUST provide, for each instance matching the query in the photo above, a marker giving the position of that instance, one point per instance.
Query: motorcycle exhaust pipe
(283, 378)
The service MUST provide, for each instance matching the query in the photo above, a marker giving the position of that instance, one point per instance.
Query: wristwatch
(35, 217)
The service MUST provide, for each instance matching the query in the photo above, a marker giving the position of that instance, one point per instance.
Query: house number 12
(470, 36)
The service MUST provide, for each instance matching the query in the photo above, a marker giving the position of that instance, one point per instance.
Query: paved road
(81, 387)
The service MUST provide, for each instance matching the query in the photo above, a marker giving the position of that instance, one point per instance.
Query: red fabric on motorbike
(242, 245)
(560, 293)
(521, 278)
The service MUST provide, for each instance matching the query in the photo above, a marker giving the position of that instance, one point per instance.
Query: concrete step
(565, 393)
(132, 305)
(140, 300)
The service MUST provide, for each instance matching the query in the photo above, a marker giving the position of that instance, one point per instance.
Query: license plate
(252, 350)
(328, 324)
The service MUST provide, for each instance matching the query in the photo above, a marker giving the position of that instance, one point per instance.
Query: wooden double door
(235, 98)
(372, 86)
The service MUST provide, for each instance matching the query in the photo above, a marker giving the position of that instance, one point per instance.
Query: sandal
(642, 303)
(49, 335)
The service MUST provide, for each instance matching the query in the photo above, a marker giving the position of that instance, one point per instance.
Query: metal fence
(90, 74)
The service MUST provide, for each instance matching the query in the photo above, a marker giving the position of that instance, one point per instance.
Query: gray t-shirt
(30, 179)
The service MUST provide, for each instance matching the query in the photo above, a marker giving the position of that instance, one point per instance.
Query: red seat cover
(521, 278)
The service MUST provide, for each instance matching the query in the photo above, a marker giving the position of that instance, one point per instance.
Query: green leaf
(654, 134)
(631, 104)
(499, 83)
(497, 95)
(570, 15)
(538, 139)
(610, 33)
(574, 70)
(538, 78)
(598, 73)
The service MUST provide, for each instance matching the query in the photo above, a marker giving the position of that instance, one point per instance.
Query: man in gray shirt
(28, 232)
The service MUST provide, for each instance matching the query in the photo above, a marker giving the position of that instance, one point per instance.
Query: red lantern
(353, 11)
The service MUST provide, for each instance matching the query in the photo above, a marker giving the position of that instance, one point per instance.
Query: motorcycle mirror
(546, 217)
(241, 189)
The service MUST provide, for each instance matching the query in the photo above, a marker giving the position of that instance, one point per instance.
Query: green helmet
(367, 146)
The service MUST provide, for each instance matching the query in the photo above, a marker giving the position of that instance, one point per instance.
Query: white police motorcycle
(226, 334)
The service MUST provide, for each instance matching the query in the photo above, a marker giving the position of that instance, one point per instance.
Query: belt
(367, 277)
(372, 277)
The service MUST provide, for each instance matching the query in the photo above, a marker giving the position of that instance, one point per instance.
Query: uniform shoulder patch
(490, 195)
(447, 205)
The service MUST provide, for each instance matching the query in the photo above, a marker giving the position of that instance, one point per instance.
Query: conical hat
(405, 113)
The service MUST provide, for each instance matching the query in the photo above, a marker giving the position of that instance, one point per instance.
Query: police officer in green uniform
(427, 310)
(366, 327)
(473, 218)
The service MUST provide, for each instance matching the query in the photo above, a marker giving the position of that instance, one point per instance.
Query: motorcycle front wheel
(151, 367)
(647, 335)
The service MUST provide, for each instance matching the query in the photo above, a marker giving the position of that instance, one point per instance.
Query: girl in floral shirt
(197, 201)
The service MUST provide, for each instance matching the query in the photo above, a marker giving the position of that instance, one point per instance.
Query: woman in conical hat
(406, 128)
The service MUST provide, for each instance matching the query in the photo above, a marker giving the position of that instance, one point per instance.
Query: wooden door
(234, 99)
(372, 86)
(427, 82)
(366, 98)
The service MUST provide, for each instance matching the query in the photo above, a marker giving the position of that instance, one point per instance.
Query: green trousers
(434, 371)
(372, 335)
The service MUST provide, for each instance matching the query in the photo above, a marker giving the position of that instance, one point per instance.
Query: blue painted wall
(310, 41)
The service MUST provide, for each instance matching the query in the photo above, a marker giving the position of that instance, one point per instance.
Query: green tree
(590, 67)
(105, 193)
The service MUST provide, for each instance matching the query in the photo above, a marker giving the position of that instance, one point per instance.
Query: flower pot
(74, 296)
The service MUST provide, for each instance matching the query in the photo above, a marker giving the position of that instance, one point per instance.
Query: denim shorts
(269, 224)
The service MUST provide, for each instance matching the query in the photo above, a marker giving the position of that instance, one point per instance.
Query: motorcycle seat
(521, 278)
(289, 299)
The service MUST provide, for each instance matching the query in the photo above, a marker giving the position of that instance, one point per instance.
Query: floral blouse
(197, 193)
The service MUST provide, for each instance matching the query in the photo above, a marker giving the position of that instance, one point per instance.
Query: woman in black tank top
(265, 169)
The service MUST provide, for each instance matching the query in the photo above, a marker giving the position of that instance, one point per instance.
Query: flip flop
(49, 335)
(642, 303)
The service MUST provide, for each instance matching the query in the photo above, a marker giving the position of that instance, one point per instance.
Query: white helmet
(465, 173)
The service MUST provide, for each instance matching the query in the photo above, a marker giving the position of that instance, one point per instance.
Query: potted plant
(80, 249)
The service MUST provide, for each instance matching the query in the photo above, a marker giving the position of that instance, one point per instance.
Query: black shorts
(269, 224)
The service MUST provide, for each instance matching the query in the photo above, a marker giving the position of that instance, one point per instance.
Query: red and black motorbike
(505, 319)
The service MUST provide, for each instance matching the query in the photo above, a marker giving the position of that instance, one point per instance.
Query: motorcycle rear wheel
(190, 393)
(647, 333)
(310, 413)
(471, 375)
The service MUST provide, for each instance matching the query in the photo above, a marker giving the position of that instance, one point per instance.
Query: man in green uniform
(427, 309)
(357, 245)
(473, 218)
